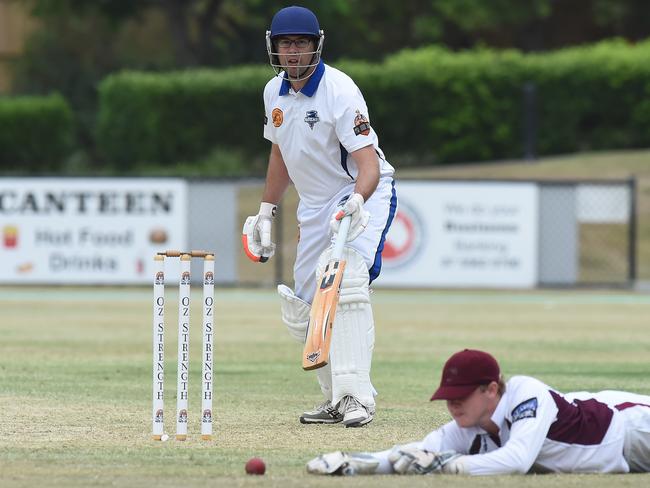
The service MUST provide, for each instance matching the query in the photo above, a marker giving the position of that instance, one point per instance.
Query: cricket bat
(323, 308)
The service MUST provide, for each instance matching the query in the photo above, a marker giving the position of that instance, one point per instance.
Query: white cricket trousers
(315, 234)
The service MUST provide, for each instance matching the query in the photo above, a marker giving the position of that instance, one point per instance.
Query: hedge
(179, 116)
(427, 105)
(36, 133)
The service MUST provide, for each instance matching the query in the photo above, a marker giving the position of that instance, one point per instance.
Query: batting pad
(295, 313)
(353, 334)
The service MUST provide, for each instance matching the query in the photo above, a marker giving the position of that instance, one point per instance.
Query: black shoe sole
(304, 421)
(357, 424)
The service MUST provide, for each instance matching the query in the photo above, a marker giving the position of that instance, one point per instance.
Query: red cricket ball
(255, 466)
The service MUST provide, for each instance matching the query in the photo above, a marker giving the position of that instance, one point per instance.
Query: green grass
(75, 381)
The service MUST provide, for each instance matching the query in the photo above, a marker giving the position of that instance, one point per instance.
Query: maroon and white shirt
(541, 431)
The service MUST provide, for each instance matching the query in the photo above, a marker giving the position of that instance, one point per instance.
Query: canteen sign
(463, 234)
(88, 230)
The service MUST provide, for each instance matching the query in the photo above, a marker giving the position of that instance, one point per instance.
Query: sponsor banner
(88, 230)
(462, 234)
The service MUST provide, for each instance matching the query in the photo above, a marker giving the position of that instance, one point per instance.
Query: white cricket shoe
(355, 414)
(325, 413)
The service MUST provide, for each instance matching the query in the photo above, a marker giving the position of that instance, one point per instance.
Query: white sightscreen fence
(445, 233)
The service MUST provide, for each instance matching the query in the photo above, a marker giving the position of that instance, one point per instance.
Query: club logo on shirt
(277, 116)
(311, 117)
(526, 409)
(361, 125)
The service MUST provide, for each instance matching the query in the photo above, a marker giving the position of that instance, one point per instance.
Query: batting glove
(411, 460)
(359, 217)
(256, 234)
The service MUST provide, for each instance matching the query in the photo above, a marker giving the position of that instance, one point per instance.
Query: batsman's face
(474, 409)
(295, 53)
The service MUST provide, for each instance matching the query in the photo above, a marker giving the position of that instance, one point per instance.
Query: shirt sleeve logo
(311, 117)
(526, 409)
(361, 125)
(277, 117)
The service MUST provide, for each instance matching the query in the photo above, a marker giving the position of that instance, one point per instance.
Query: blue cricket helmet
(295, 21)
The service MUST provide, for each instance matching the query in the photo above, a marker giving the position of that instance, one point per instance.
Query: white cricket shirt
(316, 129)
(539, 429)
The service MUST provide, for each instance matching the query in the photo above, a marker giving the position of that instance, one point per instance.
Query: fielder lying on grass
(516, 427)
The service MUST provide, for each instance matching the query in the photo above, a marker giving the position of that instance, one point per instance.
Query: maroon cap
(464, 372)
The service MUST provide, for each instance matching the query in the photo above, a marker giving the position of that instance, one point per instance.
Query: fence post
(632, 237)
(530, 120)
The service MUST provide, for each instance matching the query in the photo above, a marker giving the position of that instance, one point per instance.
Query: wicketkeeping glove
(343, 464)
(411, 460)
(256, 234)
(359, 217)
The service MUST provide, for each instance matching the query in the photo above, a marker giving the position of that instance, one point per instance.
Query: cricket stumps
(182, 383)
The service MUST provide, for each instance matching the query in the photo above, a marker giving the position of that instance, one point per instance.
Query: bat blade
(321, 318)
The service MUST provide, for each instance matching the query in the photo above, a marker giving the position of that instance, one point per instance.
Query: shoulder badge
(361, 125)
(277, 116)
(526, 409)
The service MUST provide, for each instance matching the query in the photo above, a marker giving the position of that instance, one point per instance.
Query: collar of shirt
(310, 87)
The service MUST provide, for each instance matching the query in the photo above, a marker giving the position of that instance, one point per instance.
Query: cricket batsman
(317, 122)
(513, 427)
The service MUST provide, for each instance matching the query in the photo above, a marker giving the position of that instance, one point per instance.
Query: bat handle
(341, 237)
